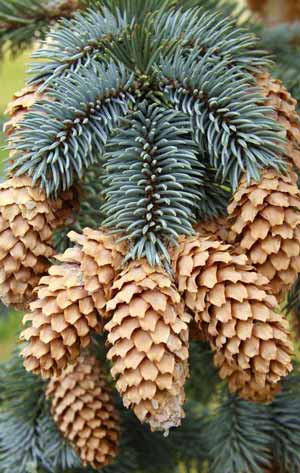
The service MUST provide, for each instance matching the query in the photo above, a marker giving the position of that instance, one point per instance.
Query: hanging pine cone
(217, 227)
(62, 318)
(284, 106)
(265, 223)
(62, 8)
(101, 259)
(148, 334)
(83, 410)
(276, 11)
(230, 302)
(27, 221)
(20, 104)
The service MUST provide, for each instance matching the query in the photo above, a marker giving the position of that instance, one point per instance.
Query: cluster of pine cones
(227, 280)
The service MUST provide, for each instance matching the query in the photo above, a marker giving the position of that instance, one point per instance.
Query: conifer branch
(153, 183)
(24, 21)
(286, 426)
(67, 49)
(239, 438)
(231, 125)
(65, 134)
(202, 33)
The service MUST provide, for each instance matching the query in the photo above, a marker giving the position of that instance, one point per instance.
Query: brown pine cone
(265, 223)
(84, 412)
(27, 221)
(284, 106)
(217, 227)
(62, 8)
(101, 260)
(20, 104)
(148, 334)
(276, 11)
(61, 319)
(232, 306)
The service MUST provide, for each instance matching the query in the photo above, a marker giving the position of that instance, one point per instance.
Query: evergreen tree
(150, 229)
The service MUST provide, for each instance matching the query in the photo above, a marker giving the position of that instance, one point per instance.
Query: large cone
(20, 104)
(62, 318)
(83, 410)
(284, 105)
(27, 221)
(101, 260)
(148, 334)
(230, 302)
(265, 223)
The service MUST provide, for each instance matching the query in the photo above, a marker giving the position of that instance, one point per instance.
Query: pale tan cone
(27, 221)
(20, 104)
(217, 227)
(83, 409)
(276, 11)
(61, 320)
(284, 106)
(148, 335)
(230, 301)
(101, 260)
(265, 222)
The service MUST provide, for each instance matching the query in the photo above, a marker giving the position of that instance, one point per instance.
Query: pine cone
(62, 8)
(217, 227)
(276, 11)
(232, 306)
(148, 334)
(102, 257)
(62, 318)
(27, 221)
(83, 410)
(21, 103)
(265, 222)
(284, 106)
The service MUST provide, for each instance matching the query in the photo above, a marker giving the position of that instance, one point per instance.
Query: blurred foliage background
(12, 77)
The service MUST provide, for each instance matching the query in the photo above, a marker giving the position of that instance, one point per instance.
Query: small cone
(62, 318)
(62, 8)
(276, 11)
(265, 223)
(84, 412)
(27, 221)
(232, 306)
(101, 260)
(284, 106)
(148, 335)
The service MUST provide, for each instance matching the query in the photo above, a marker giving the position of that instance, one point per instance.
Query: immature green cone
(101, 261)
(264, 221)
(232, 305)
(83, 409)
(27, 222)
(148, 335)
(62, 318)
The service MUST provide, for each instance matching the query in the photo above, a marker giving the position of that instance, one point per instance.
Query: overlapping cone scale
(61, 320)
(84, 412)
(284, 113)
(101, 260)
(20, 104)
(265, 223)
(27, 221)
(148, 336)
(233, 306)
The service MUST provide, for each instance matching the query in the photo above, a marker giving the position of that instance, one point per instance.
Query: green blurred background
(12, 78)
